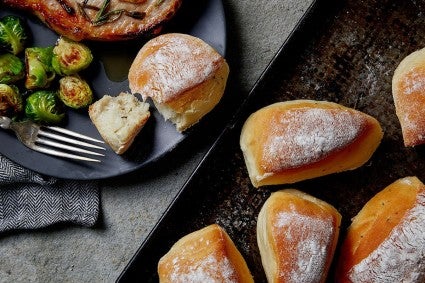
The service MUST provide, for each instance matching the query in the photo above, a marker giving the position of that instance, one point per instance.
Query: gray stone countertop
(131, 205)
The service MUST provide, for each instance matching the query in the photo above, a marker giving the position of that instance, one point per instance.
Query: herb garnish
(103, 15)
(66, 7)
(159, 2)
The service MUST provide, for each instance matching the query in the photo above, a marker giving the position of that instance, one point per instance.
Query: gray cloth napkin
(29, 200)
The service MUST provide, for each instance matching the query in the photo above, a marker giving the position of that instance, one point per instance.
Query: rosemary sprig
(102, 11)
(108, 17)
(66, 7)
(159, 2)
(83, 11)
(104, 16)
(135, 15)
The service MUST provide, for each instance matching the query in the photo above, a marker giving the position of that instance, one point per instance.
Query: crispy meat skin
(76, 26)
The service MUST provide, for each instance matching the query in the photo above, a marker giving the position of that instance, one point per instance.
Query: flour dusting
(177, 65)
(409, 93)
(413, 82)
(306, 135)
(209, 270)
(401, 257)
(307, 239)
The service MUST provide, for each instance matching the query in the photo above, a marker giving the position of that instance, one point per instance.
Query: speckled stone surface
(132, 204)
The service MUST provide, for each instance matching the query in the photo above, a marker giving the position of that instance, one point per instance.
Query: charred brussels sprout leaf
(13, 34)
(70, 57)
(39, 69)
(11, 102)
(12, 68)
(45, 107)
(75, 92)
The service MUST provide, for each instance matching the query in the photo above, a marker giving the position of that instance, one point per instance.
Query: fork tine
(62, 154)
(29, 134)
(67, 147)
(72, 133)
(68, 140)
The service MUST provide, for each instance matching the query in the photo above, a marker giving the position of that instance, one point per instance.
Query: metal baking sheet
(342, 51)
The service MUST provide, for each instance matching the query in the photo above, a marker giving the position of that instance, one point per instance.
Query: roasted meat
(101, 20)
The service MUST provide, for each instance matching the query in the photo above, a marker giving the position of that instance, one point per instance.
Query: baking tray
(341, 51)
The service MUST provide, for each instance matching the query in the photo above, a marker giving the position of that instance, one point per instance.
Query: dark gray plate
(107, 75)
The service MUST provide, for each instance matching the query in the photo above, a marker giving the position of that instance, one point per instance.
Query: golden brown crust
(296, 140)
(75, 25)
(408, 88)
(206, 255)
(386, 240)
(183, 75)
(297, 236)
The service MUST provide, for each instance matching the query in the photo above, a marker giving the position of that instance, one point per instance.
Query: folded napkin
(29, 200)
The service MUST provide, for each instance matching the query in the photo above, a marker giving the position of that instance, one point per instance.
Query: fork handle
(5, 122)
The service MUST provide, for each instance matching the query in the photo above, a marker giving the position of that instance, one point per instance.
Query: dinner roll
(206, 255)
(184, 76)
(296, 140)
(297, 235)
(408, 88)
(386, 240)
(119, 119)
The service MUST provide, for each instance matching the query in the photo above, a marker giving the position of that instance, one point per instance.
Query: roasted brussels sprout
(44, 106)
(11, 102)
(13, 34)
(75, 92)
(39, 71)
(70, 57)
(12, 69)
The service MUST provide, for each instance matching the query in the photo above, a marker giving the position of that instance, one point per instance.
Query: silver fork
(47, 139)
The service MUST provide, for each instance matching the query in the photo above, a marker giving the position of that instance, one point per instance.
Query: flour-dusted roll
(206, 255)
(386, 239)
(183, 75)
(297, 235)
(119, 119)
(297, 140)
(408, 88)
